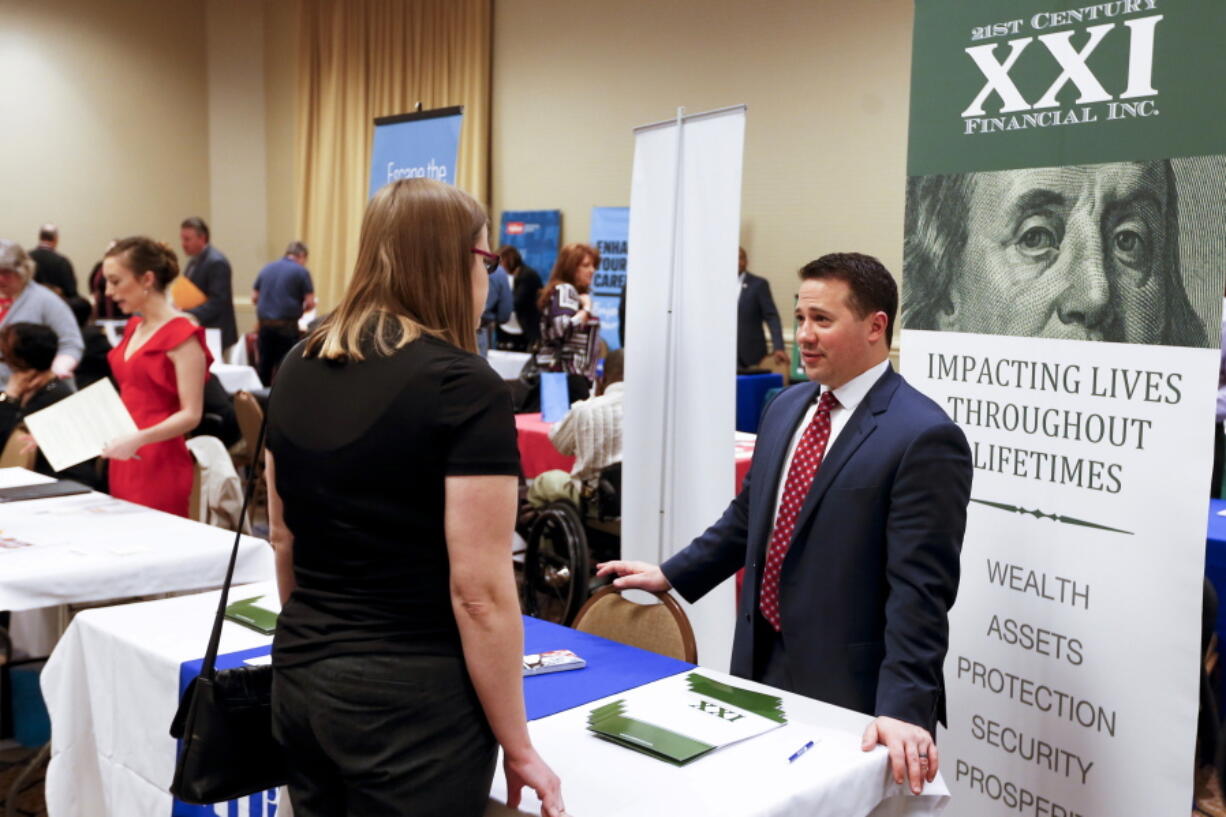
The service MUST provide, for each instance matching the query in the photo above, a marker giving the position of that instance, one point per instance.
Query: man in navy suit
(209, 270)
(754, 306)
(848, 525)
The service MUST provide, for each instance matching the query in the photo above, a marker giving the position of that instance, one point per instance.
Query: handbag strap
(210, 655)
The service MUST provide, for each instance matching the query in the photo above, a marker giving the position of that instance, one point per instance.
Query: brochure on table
(686, 716)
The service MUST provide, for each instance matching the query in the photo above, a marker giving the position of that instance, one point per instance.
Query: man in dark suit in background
(209, 270)
(53, 270)
(848, 525)
(754, 307)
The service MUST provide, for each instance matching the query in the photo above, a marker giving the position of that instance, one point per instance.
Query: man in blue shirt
(282, 292)
(498, 305)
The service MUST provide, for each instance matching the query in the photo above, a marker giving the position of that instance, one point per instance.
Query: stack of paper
(76, 428)
(682, 718)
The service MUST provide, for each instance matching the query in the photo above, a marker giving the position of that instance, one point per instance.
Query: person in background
(22, 299)
(210, 271)
(29, 348)
(219, 418)
(104, 307)
(591, 432)
(392, 467)
(756, 306)
(93, 366)
(160, 366)
(570, 329)
(524, 292)
(498, 305)
(54, 271)
(281, 293)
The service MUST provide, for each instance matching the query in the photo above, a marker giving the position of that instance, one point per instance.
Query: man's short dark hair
(196, 223)
(48, 232)
(297, 248)
(510, 257)
(872, 287)
(28, 346)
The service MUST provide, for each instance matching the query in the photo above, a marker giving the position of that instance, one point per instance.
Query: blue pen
(800, 752)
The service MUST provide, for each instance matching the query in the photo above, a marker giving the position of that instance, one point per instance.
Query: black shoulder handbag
(225, 718)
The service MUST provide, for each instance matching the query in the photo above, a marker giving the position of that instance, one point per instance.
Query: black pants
(1215, 477)
(383, 736)
(275, 341)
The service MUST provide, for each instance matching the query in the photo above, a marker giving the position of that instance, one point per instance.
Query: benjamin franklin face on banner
(1065, 252)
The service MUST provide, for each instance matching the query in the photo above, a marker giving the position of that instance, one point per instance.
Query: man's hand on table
(635, 576)
(913, 754)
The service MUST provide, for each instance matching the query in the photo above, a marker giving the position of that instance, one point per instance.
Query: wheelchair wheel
(556, 565)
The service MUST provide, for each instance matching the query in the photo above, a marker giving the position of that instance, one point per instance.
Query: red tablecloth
(537, 454)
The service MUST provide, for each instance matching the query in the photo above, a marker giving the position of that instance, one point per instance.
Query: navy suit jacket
(755, 306)
(212, 274)
(872, 569)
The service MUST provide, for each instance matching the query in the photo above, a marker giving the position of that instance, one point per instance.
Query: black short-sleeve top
(362, 450)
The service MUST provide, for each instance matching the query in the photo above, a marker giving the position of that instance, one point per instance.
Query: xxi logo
(1073, 67)
(712, 708)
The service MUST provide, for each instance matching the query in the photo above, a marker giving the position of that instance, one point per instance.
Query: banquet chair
(250, 415)
(11, 456)
(660, 628)
(194, 500)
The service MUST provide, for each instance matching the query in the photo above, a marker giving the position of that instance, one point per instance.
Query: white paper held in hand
(76, 428)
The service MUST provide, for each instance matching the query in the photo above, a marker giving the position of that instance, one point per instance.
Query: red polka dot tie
(805, 462)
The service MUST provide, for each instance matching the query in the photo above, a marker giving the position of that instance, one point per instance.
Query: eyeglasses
(491, 260)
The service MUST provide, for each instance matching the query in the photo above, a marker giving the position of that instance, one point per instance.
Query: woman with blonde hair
(392, 469)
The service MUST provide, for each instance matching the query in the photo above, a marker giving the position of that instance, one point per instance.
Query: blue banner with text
(535, 233)
(415, 146)
(610, 236)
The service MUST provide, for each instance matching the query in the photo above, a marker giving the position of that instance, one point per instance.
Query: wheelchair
(565, 541)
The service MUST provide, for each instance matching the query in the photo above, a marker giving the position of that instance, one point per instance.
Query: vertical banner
(1063, 277)
(536, 234)
(419, 145)
(610, 235)
(680, 412)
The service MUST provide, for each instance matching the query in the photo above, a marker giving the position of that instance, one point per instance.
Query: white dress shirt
(849, 395)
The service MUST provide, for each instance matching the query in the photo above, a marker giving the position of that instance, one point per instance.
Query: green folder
(248, 614)
(614, 721)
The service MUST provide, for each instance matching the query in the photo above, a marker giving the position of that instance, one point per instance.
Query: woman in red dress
(161, 366)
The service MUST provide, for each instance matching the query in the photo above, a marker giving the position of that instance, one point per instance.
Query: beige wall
(280, 120)
(826, 81)
(136, 113)
(237, 163)
(105, 120)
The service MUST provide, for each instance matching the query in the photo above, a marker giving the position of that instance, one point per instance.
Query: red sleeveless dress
(162, 477)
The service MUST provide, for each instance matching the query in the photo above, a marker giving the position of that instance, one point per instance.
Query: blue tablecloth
(611, 668)
(751, 392)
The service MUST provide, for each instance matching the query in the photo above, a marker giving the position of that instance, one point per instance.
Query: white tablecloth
(91, 547)
(507, 364)
(749, 779)
(235, 378)
(112, 687)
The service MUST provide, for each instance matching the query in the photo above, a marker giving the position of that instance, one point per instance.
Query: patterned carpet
(30, 799)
